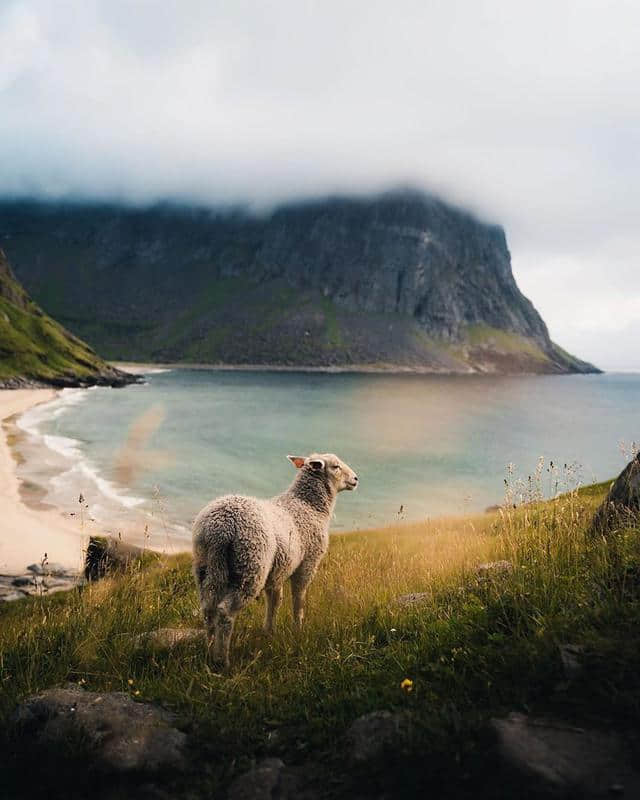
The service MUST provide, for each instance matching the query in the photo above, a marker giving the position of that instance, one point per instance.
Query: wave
(71, 450)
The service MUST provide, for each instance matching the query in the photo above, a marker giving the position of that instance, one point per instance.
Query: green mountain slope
(35, 349)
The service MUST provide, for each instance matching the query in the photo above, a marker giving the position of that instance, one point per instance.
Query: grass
(474, 648)
(503, 341)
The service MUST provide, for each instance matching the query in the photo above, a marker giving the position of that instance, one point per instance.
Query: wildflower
(392, 630)
(407, 685)
(130, 681)
(137, 692)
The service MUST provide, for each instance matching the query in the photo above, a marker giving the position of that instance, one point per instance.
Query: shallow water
(430, 445)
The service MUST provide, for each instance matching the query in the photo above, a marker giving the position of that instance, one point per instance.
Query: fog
(526, 113)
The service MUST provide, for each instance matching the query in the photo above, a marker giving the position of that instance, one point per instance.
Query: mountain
(399, 280)
(34, 349)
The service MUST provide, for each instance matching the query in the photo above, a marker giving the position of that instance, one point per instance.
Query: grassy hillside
(33, 347)
(473, 648)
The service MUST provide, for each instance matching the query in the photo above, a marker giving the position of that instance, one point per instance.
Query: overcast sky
(526, 112)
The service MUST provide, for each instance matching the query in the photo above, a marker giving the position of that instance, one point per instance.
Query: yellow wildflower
(407, 685)
(130, 681)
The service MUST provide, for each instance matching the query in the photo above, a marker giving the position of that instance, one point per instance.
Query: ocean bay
(424, 445)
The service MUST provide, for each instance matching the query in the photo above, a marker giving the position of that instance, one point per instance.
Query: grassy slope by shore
(474, 649)
(35, 348)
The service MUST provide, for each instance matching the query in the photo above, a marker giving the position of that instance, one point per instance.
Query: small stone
(56, 570)
(372, 734)
(260, 783)
(412, 599)
(571, 663)
(22, 581)
(170, 637)
(493, 569)
(11, 596)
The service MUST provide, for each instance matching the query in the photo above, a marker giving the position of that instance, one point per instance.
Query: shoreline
(27, 533)
(31, 527)
(134, 367)
(148, 367)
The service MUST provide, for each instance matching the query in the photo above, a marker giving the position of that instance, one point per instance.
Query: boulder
(621, 507)
(560, 760)
(106, 554)
(121, 735)
(372, 734)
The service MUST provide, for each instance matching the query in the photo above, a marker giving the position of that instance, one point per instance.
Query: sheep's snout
(352, 483)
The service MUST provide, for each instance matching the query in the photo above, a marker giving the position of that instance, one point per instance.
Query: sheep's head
(333, 469)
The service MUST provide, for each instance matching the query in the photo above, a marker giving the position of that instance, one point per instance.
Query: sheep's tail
(211, 570)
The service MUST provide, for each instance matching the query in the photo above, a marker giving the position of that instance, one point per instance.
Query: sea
(423, 446)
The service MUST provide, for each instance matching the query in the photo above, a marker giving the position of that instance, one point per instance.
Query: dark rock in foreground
(621, 506)
(372, 734)
(555, 759)
(268, 780)
(120, 734)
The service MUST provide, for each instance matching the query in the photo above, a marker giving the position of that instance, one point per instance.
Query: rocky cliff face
(35, 350)
(401, 279)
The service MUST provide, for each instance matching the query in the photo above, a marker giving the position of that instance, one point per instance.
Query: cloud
(524, 112)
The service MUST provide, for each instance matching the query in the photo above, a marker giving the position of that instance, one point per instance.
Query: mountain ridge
(397, 280)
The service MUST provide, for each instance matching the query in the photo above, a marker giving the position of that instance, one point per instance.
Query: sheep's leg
(274, 599)
(223, 644)
(300, 581)
(210, 614)
(228, 610)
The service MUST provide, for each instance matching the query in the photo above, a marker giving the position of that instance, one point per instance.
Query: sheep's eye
(336, 467)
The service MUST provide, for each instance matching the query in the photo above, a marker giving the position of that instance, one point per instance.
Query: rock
(263, 782)
(11, 596)
(493, 569)
(22, 580)
(107, 555)
(55, 570)
(170, 637)
(560, 760)
(373, 733)
(412, 599)
(121, 734)
(621, 507)
(571, 663)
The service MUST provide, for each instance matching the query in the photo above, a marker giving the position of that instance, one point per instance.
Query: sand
(26, 534)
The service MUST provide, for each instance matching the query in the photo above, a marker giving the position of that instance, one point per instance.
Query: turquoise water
(429, 444)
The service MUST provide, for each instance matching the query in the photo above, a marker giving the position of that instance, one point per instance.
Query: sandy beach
(26, 534)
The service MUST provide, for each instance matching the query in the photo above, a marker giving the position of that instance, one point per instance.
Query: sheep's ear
(297, 461)
(316, 463)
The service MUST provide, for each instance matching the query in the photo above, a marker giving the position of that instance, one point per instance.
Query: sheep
(244, 545)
